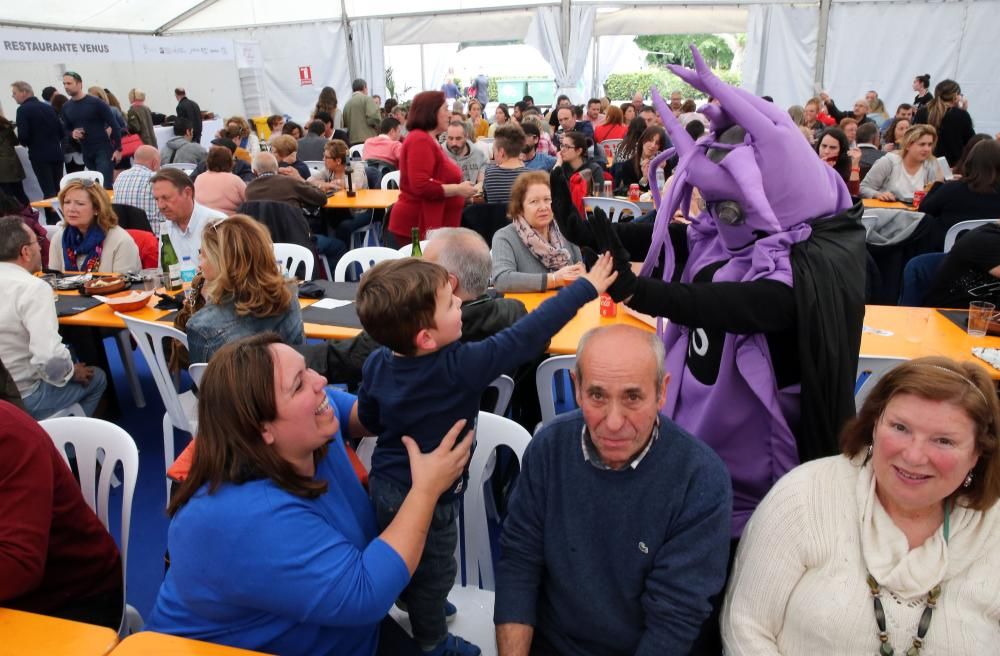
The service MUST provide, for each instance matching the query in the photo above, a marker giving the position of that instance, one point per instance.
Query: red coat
(423, 170)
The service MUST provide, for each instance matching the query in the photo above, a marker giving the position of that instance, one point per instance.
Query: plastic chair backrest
(356, 152)
(292, 256)
(187, 167)
(610, 146)
(870, 371)
(613, 207)
(367, 257)
(492, 431)
(196, 371)
(315, 166)
(405, 251)
(543, 382)
(505, 390)
(390, 177)
(150, 337)
(98, 446)
(96, 176)
(962, 226)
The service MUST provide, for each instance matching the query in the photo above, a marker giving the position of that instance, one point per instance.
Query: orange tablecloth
(28, 634)
(917, 332)
(148, 643)
(895, 205)
(365, 199)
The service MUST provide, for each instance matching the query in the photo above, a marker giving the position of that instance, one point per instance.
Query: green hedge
(621, 86)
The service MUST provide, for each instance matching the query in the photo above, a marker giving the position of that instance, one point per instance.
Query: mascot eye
(729, 212)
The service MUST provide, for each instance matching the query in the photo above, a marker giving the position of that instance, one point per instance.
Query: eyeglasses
(568, 145)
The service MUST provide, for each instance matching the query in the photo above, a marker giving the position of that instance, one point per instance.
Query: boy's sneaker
(454, 646)
(450, 611)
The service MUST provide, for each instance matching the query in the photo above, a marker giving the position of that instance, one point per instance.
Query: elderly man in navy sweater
(618, 533)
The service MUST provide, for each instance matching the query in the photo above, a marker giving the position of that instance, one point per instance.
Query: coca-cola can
(608, 307)
(634, 193)
(917, 197)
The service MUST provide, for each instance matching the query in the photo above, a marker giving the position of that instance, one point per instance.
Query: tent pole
(822, 31)
(564, 32)
(351, 64)
(595, 87)
(423, 77)
(198, 8)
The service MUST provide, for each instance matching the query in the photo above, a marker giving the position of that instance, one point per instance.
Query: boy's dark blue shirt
(423, 396)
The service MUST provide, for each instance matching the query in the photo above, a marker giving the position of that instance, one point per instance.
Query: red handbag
(130, 144)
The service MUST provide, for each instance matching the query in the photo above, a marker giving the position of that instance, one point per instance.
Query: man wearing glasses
(30, 346)
(94, 126)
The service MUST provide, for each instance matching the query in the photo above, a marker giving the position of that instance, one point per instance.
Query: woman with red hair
(432, 192)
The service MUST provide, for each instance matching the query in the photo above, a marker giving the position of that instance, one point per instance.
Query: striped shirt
(498, 181)
(132, 187)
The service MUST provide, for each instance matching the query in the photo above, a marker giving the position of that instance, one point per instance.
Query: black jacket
(40, 131)
(190, 110)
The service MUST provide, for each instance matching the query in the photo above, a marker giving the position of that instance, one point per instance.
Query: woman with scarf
(531, 255)
(89, 238)
(893, 546)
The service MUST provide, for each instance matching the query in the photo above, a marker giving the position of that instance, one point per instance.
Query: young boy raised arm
(419, 383)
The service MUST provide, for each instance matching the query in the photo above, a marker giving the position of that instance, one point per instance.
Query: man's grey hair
(464, 254)
(21, 86)
(13, 237)
(358, 85)
(657, 351)
(265, 163)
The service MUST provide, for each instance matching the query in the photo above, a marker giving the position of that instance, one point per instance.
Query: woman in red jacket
(432, 192)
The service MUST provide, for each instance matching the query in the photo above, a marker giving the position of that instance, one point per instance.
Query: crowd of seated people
(266, 464)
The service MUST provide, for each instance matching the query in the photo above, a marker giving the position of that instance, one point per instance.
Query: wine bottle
(170, 264)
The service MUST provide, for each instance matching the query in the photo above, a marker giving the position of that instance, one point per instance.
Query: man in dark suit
(190, 110)
(40, 131)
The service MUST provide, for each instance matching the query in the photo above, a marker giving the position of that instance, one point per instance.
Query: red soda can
(633, 193)
(608, 307)
(917, 197)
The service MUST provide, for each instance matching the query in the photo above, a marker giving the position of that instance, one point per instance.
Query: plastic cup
(152, 279)
(980, 313)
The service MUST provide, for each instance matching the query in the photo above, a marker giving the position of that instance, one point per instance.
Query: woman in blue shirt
(273, 541)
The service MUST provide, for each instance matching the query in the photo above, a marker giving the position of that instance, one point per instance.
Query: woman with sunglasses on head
(636, 169)
(833, 147)
(244, 291)
(893, 546)
(89, 238)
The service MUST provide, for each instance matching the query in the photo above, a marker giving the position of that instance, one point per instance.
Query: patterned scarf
(74, 244)
(553, 255)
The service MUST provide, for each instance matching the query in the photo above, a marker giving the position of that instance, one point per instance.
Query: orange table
(589, 316)
(27, 634)
(46, 204)
(882, 204)
(917, 332)
(102, 316)
(148, 643)
(365, 199)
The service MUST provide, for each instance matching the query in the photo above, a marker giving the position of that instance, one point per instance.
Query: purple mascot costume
(763, 292)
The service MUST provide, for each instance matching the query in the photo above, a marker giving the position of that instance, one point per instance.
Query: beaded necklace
(885, 649)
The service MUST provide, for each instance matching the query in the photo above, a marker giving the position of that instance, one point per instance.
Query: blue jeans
(48, 399)
(428, 590)
(100, 160)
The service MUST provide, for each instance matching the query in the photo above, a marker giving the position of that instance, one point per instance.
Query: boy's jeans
(434, 577)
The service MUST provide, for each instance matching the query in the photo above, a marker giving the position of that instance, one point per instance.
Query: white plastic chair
(100, 445)
(505, 390)
(356, 152)
(182, 409)
(873, 367)
(75, 410)
(187, 167)
(96, 176)
(367, 257)
(610, 146)
(315, 166)
(405, 251)
(543, 382)
(963, 226)
(393, 177)
(291, 256)
(475, 599)
(196, 371)
(613, 207)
